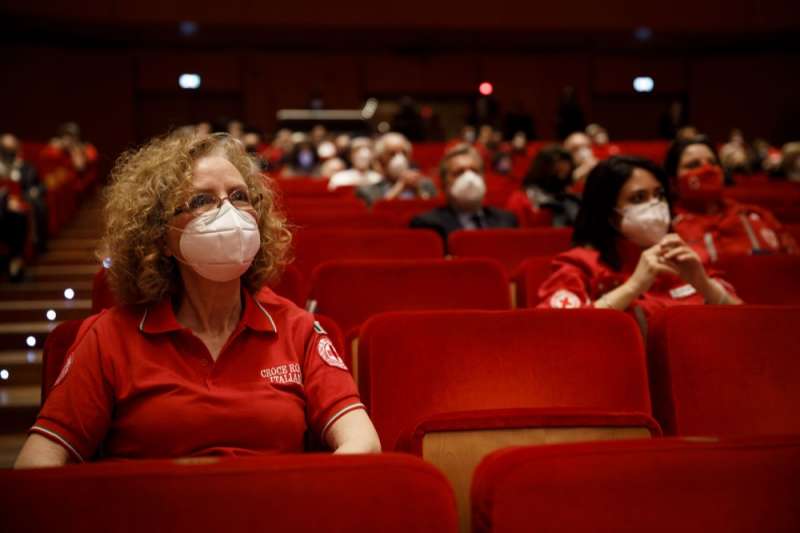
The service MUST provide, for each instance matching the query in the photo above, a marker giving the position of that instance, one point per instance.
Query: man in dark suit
(461, 171)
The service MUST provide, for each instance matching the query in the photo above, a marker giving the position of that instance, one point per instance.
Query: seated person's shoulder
(433, 217)
(502, 217)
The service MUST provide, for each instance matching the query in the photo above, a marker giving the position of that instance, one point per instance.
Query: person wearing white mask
(362, 173)
(625, 257)
(461, 170)
(199, 358)
(400, 181)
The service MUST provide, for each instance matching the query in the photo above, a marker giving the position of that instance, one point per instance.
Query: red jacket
(580, 277)
(738, 229)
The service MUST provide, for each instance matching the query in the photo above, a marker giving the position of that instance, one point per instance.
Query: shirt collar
(160, 318)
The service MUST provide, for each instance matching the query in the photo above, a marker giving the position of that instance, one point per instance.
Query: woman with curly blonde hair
(199, 358)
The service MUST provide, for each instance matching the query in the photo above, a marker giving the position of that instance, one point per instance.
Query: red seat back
(352, 291)
(352, 493)
(344, 219)
(726, 370)
(659, 485)
(313, 247)
(510, 246)
(764, 279)
(531, 274)
(416, 365)
(405, 210)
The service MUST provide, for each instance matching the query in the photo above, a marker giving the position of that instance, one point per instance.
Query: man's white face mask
(645, 224)
(220, 245)
(468, 188)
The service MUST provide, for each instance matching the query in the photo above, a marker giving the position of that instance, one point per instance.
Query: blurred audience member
(461, 171)
(32, 191)
(715, 226)
(331, 166)
(545, 189)
(400, 181)
(687, 132)
(736, 156)
(790, 164)
(517, 120)
(318, 134)
(579, 146)
(570, 116)
(69, 146)
(361, 174)
(342, 142)
(255, 147)
(408, 120)
(302, 160)
(624, 256)
(673, 119)
(203, 129)
(235, 128)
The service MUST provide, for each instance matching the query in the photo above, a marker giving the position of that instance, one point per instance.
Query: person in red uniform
(192, 363)
(718, 227)
(624, 256)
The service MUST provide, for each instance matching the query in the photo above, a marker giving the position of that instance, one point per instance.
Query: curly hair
(147, 186)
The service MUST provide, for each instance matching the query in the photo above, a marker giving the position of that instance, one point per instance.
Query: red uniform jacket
(580, 277)
(738, 229)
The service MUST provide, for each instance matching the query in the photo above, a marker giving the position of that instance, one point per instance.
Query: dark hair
(543, 168)
(676, 149)
(593, 224)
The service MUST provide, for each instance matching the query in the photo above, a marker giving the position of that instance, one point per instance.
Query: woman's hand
(650, 266)
(674, 252)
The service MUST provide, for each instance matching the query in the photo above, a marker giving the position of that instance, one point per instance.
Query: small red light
(486, 88)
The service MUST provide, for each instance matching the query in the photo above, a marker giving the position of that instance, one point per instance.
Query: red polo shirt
(137, 384)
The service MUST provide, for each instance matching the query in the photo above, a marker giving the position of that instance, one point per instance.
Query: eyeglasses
(204, 202)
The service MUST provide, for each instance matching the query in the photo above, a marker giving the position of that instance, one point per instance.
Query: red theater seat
(659, 486)
(529, 277)
(764, 279)
(730, 371)
(455, 385)
(313, 247)
(292, 285)
(293, 493)
(352, 291)
(405, 210)
(794, 230)
(338, 219)
(510, 246)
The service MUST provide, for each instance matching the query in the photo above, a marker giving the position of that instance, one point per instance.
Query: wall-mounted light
(485, 88)
(643, 84)
(189, 81)
(69, 294)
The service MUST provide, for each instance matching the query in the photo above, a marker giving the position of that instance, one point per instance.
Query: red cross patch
(564, 299)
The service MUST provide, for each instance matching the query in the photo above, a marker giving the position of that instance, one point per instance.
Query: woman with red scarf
(718, 227)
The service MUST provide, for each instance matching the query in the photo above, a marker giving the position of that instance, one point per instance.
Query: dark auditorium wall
(118, 95)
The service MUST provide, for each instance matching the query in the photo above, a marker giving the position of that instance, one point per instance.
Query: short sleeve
(77, 412)
(329, 386)
(566, 288)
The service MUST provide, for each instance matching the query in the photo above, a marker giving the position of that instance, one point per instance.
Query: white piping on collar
(274, 327)
(144, 317)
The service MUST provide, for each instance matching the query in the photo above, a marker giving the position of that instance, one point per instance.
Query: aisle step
(16, 335)
(28, 311)
(18, 408)
(73, 244)
(10, 445)
(20, 367)
(44, 290)
(67, 257)
(63, 272)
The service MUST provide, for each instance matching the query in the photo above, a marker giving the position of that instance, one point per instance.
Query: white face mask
(397, 165)
(220, 245)
(645, 224)
(468, 188)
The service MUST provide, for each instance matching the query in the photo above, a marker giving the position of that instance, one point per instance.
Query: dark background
(113, 65)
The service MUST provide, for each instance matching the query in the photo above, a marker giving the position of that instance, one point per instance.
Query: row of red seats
(453, 386)
(661, 486)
